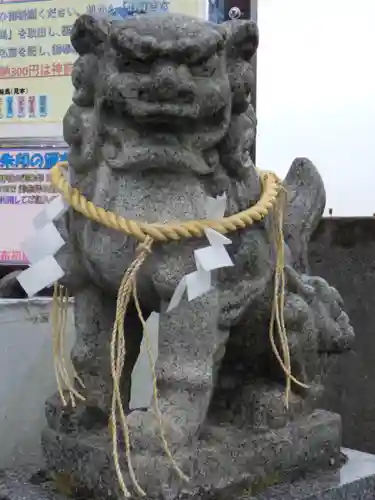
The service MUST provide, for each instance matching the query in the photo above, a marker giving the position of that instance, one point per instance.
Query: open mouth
(155, 156)
(167, 119)
(160, 140)
(181, 97)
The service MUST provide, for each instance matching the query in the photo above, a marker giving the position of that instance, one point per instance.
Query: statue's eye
(132, 66)
(204, 68)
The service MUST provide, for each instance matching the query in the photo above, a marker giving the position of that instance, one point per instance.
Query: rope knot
(145, 246)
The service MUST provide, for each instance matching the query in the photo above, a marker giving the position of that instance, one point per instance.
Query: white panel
(316, 98)
(27, 377)
(48, 130)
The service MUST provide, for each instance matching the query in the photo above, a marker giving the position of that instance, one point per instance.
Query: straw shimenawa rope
(171, 230)
(272, 202)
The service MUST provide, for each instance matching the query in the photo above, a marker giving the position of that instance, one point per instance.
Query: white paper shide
(40, 249)
(207, 259)
(142, 380)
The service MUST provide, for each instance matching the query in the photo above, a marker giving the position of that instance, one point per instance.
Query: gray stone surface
(160, 120)
(10, 287)
(18, 484)
(225, 458)
(355, 480)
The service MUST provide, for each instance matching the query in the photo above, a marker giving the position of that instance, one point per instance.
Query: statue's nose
(170, 82)
(166, 81)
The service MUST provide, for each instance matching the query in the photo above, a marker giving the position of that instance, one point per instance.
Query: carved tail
(305, 207)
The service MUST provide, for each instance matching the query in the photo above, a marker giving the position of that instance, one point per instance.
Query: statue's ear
(242, 38)
(305, 207)
(89, 34)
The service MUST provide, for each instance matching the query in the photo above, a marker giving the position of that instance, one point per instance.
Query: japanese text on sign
(35, 47)
(31, 159)
(24, 188)
(12, 257)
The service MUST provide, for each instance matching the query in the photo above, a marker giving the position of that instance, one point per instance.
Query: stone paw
(69, 420)
(263, 407)
(145, 432)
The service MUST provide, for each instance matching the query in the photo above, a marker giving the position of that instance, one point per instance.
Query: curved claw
(297, 283)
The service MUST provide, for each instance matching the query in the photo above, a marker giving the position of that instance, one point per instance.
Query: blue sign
(216, 11)
(31, 158)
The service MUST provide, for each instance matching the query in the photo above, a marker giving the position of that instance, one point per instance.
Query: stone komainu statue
(162, 118)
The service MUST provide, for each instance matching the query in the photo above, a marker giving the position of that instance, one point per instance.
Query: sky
(316, 95)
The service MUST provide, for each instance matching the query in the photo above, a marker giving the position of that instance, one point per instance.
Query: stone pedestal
(354, 481)
(227, 460)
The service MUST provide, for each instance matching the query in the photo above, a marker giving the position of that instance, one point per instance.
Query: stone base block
(354, 481)
(225, 461)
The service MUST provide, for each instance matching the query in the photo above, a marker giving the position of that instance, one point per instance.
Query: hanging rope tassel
(118, 353)
(277, 314)
(59, 316)
(127, 291)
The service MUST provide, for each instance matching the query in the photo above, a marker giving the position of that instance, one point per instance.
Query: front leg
(185, 369)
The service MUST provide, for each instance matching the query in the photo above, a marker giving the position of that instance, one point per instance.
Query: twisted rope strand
(171, 230)
(117, 364)
(277, 313)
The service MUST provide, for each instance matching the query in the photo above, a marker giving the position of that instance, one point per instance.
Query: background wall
(316, 94)
(342, 251)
